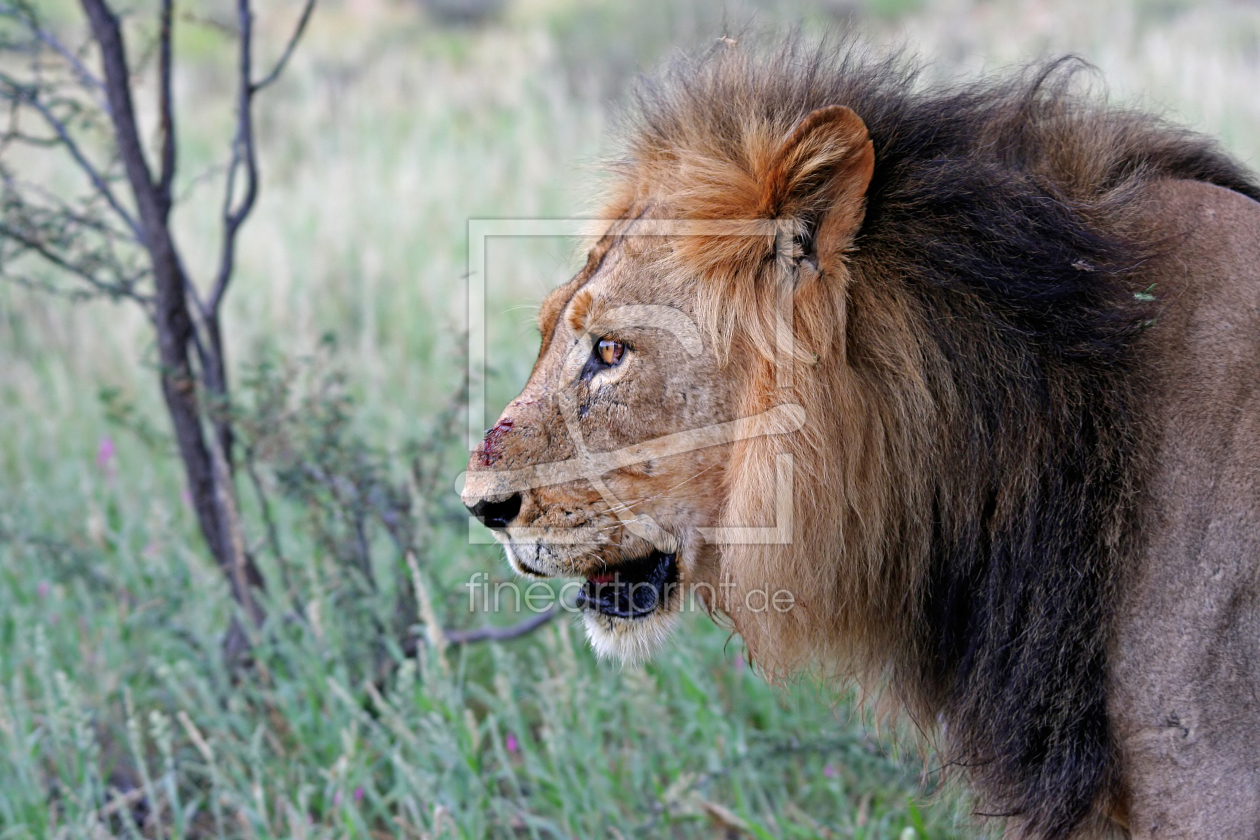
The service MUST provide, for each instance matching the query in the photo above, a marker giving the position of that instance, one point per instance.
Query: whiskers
(627, 506)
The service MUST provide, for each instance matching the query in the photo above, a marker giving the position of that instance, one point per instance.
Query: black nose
(497, 515)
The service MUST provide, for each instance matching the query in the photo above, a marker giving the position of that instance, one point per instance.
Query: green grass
(386, 136)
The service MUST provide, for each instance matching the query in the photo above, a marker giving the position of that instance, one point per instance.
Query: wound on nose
(493, 439)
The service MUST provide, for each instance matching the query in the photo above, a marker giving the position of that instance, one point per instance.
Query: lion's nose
(497, 515)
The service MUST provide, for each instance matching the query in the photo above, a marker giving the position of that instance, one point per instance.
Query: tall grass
(385, 137)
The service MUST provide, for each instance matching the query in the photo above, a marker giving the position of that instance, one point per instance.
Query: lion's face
(605, 465)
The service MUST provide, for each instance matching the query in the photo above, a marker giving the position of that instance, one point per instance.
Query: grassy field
(389, 132)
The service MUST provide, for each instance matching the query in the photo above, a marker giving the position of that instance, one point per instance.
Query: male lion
(965, 379)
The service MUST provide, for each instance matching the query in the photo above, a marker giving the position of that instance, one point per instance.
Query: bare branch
(24, 11)
(88, 218)
(209, 22)
(264, 506)
(500, 634)
(14, 136)
(243, 156)
(488, 633)
(29, 96)
(71, 229)
(52, 254)
(166, 110)
(86, 77)
(288, 48)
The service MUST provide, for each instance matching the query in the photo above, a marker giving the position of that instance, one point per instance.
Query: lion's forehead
(626, 276)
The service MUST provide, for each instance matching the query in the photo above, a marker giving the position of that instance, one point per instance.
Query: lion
(951, 390)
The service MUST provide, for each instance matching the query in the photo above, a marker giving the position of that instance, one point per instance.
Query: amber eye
(609, 351)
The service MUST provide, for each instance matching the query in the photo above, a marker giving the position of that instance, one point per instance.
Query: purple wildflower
(105, 455)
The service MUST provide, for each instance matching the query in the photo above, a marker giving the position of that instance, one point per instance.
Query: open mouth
(632, 590)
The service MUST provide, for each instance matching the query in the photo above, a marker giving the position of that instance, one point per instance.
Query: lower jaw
(630, 641)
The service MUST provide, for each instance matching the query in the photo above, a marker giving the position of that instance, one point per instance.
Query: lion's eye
(610, 351)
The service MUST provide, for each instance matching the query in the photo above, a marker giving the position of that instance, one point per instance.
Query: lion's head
(663, 388)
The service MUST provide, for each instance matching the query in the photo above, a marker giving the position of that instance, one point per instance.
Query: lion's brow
(549, 317)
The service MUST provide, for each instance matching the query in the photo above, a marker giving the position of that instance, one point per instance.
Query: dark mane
(1003, 215)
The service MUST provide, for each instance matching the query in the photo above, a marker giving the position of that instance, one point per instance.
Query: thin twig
(491, 633)
(207, 21)
(269, 522)
(48, 287)
(243, 155)
(24, 11)
(288, 48)
(123, 289)
(488, 633)
(86, 77)
(98, 181)
(15, 136)
(97, 223)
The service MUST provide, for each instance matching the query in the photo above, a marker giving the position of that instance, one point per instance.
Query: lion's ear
(818, 179)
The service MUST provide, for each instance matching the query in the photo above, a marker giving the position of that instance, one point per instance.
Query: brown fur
(958, 296)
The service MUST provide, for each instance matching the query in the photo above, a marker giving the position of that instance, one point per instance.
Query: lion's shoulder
(1185, 653)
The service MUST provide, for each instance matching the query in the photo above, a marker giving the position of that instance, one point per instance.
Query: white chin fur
(632, 640)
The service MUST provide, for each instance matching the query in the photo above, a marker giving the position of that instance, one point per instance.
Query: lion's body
(1024, 339)
(1184, 656)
